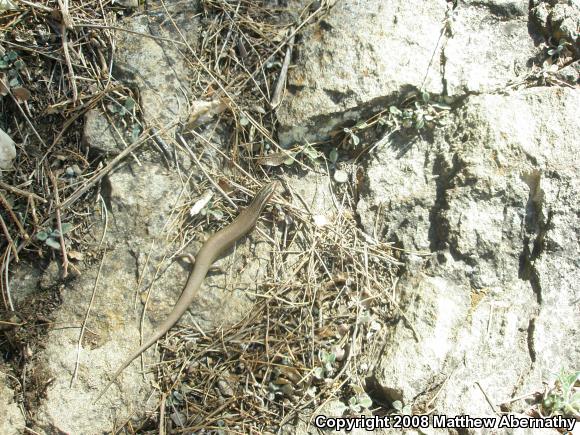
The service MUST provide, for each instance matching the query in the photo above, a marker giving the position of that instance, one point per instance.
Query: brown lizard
(209, 252)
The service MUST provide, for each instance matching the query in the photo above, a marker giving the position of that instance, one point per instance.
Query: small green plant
(326, 370)
(11, 61)
(357, 403)
(51, 237)
(557, 50)
(333, 156)
(402, 410)
(564, 397)
(124, 109)
(310, 152)
(354, 140)
(8, 59)
(212, 212)
(126, 114)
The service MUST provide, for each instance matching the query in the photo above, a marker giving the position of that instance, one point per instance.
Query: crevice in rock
(503, 11)
(530, 339)
(337, 96)
(383, 396)
(439, 225)
(536, 227)
(445, 35)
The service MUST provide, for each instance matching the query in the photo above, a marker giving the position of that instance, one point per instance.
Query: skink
(209, 252)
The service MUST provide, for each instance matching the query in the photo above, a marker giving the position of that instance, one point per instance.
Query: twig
(218, 82)
(106, 214)
(66, 25)
(490, 403)
(23, 113)
(281, 82)
(142, 319)
(162, 414)
(13, 216)
(210, 179)
(84, 326)
(110, 166)
(35, 5)
(120, 29)
(19, 191)
(9, 238)
(85, 107)
(6, 297)
(59, 224)
(281, 45)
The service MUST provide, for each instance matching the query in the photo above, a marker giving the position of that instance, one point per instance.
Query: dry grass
(302, 343)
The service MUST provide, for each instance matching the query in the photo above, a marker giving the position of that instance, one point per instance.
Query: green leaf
(568, 380)
(420, 123)
(218, 214)
(394, 110)
(318, 373)
(42, 236)
(397, 405)
(135, 132)
(340, 409)
(365, 401)
(66, 227)
(3, 64)
(12, 55)
(328, 357)
(310, 152)
(52, 243)
(19, 64)
(129, 104)
(333, 156)
(426, 97)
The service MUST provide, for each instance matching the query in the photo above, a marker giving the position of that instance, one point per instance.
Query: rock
(7, 150)
(129, 4)
(344, 70)
(494, 31)
(492, 202)
(100, 135)
(12, 421)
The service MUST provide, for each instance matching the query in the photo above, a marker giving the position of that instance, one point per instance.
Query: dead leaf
(21, 93)
(76, 255)
(200, 203)
(4, 87)
(275, 159)
(203, 111)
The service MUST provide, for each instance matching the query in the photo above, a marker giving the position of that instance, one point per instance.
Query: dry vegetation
(302, 343)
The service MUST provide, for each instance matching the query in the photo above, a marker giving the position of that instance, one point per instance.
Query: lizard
(208, 253)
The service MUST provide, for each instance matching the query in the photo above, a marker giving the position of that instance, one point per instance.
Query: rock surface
(494, 300)
(12, 421)
(483, 206)
(346, 72)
